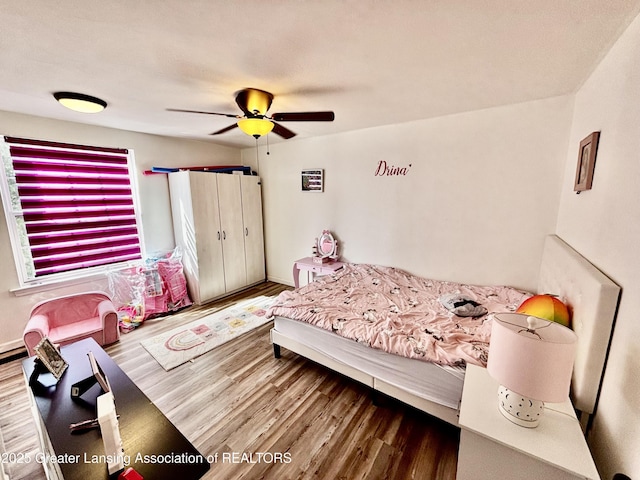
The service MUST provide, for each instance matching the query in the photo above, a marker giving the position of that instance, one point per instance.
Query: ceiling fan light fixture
(80, 102)
(254, 122)
(256, 127)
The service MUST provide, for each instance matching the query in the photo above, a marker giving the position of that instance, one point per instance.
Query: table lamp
(532, 359)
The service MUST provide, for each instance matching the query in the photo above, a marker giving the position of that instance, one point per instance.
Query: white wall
(604, 225)
(157, 226)
(481, 193)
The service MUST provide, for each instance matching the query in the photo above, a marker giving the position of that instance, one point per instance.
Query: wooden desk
(313, 268)
(145, 431)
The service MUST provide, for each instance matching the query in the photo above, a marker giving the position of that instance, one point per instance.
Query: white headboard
(592, 299)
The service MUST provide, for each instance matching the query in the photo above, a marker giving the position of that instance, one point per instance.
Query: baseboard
(9, 346)
(14, 355)
(282, 281)
(12, 350)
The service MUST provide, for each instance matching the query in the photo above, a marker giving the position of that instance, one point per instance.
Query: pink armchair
(71, 318)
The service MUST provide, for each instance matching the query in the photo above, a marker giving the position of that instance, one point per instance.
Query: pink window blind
(77, 204)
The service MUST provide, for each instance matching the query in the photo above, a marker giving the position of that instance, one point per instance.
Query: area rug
(182, 344)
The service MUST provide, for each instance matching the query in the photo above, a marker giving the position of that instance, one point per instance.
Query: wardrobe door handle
(224, 235)
(246, 231)
(218, 236)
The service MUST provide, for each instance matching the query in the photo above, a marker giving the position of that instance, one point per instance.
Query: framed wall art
(313, 180)
(586, 162)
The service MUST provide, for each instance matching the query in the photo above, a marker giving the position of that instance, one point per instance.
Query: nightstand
(492, 447)
(307, 264)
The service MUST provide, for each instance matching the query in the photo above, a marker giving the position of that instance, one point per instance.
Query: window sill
(46, 286)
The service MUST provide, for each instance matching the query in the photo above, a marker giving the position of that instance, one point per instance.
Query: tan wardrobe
(217, 220)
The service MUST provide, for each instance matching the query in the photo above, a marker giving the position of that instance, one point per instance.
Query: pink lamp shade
(532, 356)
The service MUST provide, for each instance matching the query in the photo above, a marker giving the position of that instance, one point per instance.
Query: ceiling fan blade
(253, 101)
(199, 111)
(304, 117)
(282, 131)
(225, 129)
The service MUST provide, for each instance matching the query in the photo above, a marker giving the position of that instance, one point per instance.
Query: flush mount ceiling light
(256, 127)
(80, 102)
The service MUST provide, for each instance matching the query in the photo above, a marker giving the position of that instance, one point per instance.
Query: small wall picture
(313, 180)
(586, 162)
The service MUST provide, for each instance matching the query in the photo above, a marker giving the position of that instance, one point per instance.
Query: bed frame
(589, 294)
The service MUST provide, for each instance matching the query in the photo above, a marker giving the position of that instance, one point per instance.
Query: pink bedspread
(390, 309)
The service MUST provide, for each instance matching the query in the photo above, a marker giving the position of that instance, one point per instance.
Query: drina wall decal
(384, 169)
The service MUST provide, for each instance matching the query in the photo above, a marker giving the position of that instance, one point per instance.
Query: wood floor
(238, 399)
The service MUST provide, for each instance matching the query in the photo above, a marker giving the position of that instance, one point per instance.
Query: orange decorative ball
(547, 307)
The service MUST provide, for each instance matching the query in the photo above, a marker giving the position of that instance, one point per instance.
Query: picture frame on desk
(49, 356)
(97, 376)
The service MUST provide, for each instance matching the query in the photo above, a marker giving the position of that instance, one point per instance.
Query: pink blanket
(392, 310)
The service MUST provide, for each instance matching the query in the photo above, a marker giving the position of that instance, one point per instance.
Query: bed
(433, 382)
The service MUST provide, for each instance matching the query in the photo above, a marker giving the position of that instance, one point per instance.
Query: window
(68, 207)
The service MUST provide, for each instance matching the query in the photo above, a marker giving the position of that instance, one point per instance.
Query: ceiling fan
(254, 104)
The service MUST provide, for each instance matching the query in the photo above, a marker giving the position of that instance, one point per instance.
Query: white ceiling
(373, 62)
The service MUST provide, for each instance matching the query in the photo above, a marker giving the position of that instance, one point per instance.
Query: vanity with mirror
(324, 260)
(325, 249)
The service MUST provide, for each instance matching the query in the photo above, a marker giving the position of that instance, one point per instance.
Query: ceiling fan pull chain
(257, 157)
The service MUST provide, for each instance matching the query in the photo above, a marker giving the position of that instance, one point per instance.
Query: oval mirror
(326, 245)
